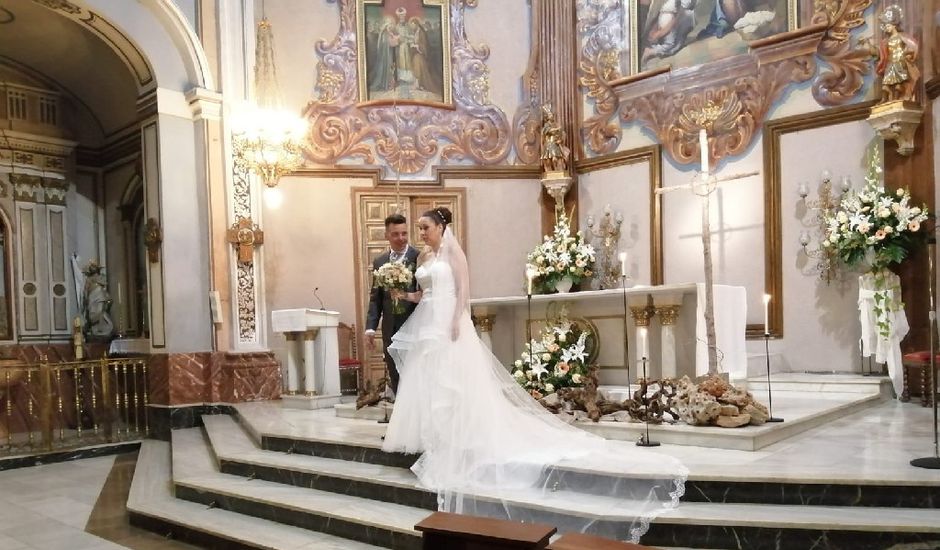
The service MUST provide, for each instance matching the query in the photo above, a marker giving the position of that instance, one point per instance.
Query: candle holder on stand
(645, 440)
(770, 395)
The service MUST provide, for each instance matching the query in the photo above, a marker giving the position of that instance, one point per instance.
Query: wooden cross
(245, 235)
(704, 184)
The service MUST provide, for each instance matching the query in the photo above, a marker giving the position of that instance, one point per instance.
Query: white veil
(491, 450)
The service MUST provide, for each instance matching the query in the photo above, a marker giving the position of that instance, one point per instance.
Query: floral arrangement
(561, 255)
(554, 360)
(875, 228)
(393, 275)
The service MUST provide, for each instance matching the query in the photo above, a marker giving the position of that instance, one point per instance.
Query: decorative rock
(758, 413)
(736, 397)
(729, 410)
(733, 421)
(551, 400)
(580, 416)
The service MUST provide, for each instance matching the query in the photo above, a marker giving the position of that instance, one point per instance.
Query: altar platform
(265, 475)
(804, 401)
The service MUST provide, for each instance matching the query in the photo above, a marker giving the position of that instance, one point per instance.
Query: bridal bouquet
(561, 256)
(391, 276)
(556, 359)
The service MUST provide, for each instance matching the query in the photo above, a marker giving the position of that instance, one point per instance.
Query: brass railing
(58, 406)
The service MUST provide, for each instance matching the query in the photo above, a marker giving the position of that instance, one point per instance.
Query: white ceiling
(64, 53)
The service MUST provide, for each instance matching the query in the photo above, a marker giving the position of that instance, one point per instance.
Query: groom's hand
(370, 341)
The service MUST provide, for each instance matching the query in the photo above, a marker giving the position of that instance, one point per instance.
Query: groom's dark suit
(380, 308)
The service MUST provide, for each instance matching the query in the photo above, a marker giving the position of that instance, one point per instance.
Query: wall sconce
(265, 138)
(608, 236)
(824, 208)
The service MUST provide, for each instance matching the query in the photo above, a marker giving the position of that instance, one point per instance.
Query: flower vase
(564, 285)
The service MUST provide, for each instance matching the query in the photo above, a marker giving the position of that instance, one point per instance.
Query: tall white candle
(703, 145)
(623, 263)
(766, 313)
(120, 293)
(643, 342)
(529, 275)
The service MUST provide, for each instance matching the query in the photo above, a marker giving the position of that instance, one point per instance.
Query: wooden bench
(577, 541)
(445, 531)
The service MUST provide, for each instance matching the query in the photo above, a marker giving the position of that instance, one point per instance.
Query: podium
(312, 357)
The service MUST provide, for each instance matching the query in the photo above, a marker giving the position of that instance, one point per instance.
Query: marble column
(668, 316)
(293, 363)
(485, 324)
(641, 319)
(310, 362)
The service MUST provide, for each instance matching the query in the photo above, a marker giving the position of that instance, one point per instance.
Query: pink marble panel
(188, 374)
(158, 379)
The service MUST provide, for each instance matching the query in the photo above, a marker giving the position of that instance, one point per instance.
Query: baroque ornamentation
(742, 103)
(599, 63)
(63, 5)
(847, 62)
(244, 271)
(407, 137)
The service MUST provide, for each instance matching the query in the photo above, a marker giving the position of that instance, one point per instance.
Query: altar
(672, 314)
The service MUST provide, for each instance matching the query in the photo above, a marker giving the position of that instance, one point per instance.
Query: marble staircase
(269, 478)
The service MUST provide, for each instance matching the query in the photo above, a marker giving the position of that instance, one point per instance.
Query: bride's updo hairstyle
(440, 215)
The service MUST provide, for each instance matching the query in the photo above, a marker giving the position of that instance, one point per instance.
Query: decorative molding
(598, 67)
(653, 155)
(245, 275)
(744, 87)
(440, 174)
(846, 62)
(773, 217)
(527, 120)
(410, 136)
(26, 188)
(55, 191)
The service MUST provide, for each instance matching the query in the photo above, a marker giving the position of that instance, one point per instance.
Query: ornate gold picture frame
(404, 52)
(685, 33)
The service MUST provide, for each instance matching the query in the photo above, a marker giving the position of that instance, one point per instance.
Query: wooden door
(372, 206)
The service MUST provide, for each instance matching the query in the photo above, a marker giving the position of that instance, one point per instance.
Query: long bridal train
(490, 449)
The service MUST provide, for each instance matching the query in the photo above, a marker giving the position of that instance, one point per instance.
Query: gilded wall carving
(745, 86)
(244, 272)
(410, 136)
(847, 62)
(601, 25)
(744, 101)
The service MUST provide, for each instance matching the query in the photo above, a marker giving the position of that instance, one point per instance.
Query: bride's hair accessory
(442, 216)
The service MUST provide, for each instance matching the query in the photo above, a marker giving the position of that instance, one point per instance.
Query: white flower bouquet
(556, 359)
(392, 276)
(561, 255)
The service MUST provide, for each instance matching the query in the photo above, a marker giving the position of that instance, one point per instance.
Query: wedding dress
(488, 448)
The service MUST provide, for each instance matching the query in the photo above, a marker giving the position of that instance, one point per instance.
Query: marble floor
(75, 505)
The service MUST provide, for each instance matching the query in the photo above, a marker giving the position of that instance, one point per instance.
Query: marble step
(836, 383)
(711, 525)
(196, 479)
(152, 505)
(238, 454)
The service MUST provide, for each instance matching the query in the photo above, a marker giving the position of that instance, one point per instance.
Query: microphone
(317, 296)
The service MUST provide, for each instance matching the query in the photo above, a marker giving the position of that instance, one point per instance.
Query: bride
(486, 446)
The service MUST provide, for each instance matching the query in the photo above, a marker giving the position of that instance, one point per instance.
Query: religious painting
(404, 51)
(685, 33)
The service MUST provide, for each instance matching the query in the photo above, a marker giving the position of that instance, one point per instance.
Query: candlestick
(529, 275)
(643, 342)
(766, 313)
(703, 145)
(623, 263)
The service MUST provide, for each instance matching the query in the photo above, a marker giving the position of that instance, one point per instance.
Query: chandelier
(266, 138)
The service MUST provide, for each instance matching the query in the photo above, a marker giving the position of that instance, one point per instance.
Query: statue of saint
(897, 59)
(94, 299)
(554, 153)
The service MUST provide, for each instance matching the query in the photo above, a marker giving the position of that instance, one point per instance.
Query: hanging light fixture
(264, 135)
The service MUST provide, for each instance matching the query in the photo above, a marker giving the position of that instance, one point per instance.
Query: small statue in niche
(897, 59)
(554, 154)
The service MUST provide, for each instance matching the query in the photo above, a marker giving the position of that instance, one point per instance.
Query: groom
(380, 302)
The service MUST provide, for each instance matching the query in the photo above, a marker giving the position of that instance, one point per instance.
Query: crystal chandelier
(266, 138)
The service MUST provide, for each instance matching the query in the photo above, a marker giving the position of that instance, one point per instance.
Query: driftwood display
(370, 396)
